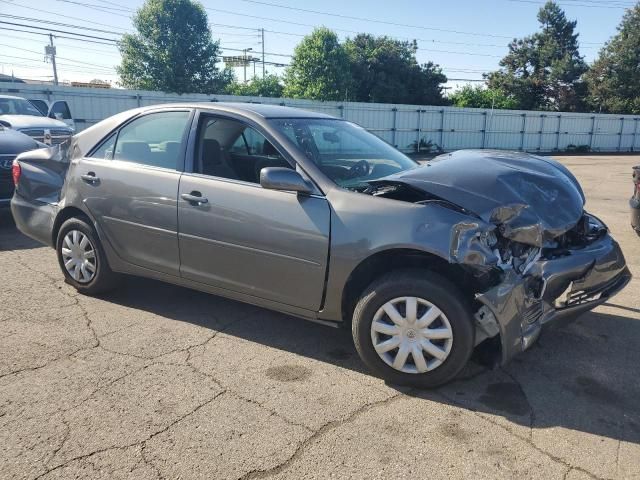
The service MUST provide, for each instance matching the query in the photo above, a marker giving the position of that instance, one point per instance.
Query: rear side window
(156, 140)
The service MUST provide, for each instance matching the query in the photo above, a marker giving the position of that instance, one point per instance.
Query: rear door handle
(194, 198)
(90, 178)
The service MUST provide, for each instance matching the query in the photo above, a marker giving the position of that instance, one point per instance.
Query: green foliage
(319, 68)
(425, 146)
(172, 50)
(578, 148)
(481, 97)
(385, 70)
(269, 86)
(543, 71)
(614, 78)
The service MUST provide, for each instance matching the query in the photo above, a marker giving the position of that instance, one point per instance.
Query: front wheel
(82, 258)
(413, 328)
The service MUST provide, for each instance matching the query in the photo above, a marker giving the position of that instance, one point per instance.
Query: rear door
(130, 185)
(238, 236)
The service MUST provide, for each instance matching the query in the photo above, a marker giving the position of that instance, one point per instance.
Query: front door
(238, 236)
(130, 186)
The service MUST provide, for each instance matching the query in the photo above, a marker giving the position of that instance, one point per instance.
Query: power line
(611, 6)
(57, 36)
(58, 24)
(373, 20)
(57, 56)
(103, 70)
(56, 14)
(100, 8)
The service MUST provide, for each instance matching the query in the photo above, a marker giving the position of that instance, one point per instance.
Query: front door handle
(90, 178)
(194, 198)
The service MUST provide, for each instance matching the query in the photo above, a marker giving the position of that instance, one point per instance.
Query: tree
(172, 50)
(319, 68)
(269, 86)
(543, 71)
(614, 78)
(385, 70)
(481, 97)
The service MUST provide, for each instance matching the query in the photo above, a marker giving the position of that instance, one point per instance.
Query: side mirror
(279, 178)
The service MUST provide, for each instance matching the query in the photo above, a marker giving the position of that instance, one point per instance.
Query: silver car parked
(313, 216)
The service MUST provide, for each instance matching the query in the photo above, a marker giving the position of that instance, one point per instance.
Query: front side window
(105, 151)
(156, 140)
(230, 149)
(348, 154)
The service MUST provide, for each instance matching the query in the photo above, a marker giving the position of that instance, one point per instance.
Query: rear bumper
(34, 219)
(555, 291)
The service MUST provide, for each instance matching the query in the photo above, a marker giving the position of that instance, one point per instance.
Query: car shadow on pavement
(11, 238)
(583, 377)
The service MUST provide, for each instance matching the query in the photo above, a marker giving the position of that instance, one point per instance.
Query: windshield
(345, 152)
(18, 106)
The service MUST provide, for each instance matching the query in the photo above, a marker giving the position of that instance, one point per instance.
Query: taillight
(15, 172)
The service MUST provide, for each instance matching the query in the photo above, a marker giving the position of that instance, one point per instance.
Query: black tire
(428, 286)
(104, 279)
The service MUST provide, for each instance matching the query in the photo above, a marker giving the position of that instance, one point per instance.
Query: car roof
(249, 109)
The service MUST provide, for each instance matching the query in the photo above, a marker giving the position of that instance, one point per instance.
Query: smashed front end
(534, 255)
(552, 284)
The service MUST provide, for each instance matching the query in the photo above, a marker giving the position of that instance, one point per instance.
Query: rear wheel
(413, 328)
(82, 258)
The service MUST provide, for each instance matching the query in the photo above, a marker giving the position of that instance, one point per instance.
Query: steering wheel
(360, 169)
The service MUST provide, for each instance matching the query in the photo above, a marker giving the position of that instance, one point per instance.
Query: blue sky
(465, 37)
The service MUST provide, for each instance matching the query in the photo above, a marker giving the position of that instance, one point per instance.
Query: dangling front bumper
(555, 291)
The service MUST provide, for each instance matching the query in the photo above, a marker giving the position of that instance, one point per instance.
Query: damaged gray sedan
(313, 216)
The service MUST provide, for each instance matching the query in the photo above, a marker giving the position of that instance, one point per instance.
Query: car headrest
(211, 153)
(134, 151)
(172, 149)
(269, 149)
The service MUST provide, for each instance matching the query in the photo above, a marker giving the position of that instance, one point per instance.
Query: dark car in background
(635, 200)
(314, 216)
(12, 143)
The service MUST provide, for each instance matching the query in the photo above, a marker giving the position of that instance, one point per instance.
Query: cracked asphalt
(159, 382)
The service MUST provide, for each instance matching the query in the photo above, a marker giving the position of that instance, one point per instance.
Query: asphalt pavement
(155, 381)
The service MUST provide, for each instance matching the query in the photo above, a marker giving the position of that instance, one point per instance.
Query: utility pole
(262, 30)
(50, 50)
(245, 61)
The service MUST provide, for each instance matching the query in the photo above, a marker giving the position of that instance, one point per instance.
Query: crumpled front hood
(532, 199)
(31, 121)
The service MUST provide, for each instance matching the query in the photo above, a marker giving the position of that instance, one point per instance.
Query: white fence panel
(405, 126)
